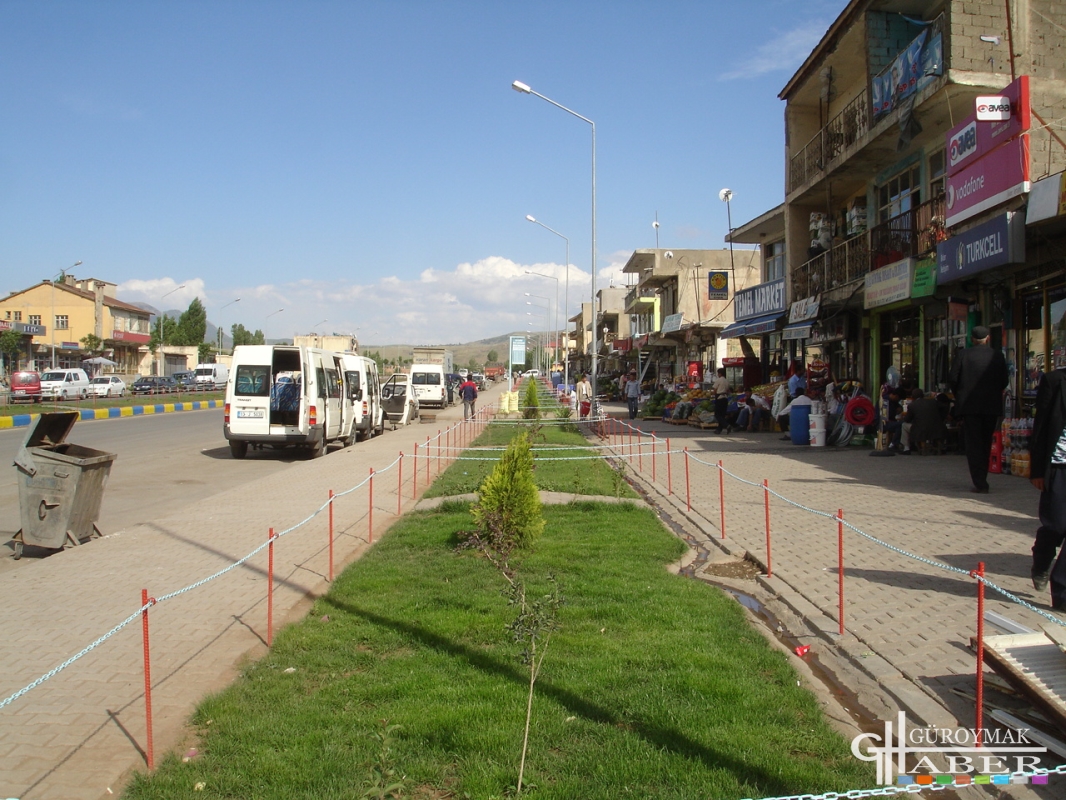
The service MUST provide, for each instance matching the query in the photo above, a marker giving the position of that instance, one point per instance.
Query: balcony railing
(910, 234)
(843, 131)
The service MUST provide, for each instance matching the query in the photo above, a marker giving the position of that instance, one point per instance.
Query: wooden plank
(1057, 634)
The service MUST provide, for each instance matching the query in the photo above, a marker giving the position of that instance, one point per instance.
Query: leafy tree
(170, 330)
(191, 325)
(473, 366)
(508, 511)
(242, 335)
(531, 403)
(10, 347)
(205, 353)
(93, 343)
(492, 358)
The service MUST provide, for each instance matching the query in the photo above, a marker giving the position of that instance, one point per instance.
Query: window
(35, 319)
(774, 256)
(252, 381)
(62, 322)
(936, 174)
(7, 315)
(426, 379)
(18, 316)
(900, 193)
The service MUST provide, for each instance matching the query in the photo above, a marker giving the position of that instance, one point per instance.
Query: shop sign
(988, 181)
(766, 298)
(144, 338)
(518, 349)
(623, 345)
(717, 285)
(798, 332)
(999, 241)
(830, 330)
(805, 309)
(924, 278)
(694, 371)
(958, 312)
(993, 108)
(24, 328)
(889, 284)
(672, 323)
(1047, 199)
(973, 138)
(70, 346)
(733, 361)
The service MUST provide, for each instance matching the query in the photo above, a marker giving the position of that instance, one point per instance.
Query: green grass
(10, 409)
(590, 477)
(655, 686)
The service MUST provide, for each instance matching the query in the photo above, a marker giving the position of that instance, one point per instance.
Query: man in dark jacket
(468, 394)
(1047, 472)
(979, 376)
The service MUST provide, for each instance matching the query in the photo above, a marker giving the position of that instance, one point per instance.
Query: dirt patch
(742, 569)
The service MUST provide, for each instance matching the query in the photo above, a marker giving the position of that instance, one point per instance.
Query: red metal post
(399, 485)
(630, 445)
(669, 469)
(688, 490)
(370, 511)
(654, 447)
(640, 449)
(331, 536)
(270, 588)
(840, 565)
(979, 720)
(721, 494)
(149, 744)
(438, 450)
(414, 475)
(766, 493)
(429, 460)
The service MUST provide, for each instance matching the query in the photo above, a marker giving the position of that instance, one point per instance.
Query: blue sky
(367, 163)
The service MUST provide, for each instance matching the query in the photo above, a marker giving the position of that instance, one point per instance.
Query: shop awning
(749, 327)
(801, 330)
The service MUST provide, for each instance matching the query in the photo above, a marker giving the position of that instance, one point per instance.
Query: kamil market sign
(766, 298)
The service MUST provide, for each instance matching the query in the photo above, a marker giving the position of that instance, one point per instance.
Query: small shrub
(507, 512)
(531, 402)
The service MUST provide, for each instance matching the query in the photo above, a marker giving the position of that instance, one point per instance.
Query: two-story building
(904, 216)
(57, 316)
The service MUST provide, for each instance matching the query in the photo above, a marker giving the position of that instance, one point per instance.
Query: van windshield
(426, 379)
(252, 381)
(54, 376)
(208, 371)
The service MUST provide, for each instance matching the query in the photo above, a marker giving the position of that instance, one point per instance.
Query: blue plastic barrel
(799, 424)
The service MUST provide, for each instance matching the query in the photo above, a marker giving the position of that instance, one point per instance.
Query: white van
(211, 376)
(430, 388)
(64, 384)
(282, 396)
(362, 412)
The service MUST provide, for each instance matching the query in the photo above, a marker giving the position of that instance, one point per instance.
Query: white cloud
(783, 53)
(153, 291)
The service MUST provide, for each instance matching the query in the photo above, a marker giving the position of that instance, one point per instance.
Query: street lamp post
(548, 317)
(53, 282)
(231, 302)
(518, 86)
(314, 330)
(268, 316)
(162, 340)
(566, 296)
(557, 332)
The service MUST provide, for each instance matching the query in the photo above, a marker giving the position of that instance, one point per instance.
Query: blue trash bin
(799, 424)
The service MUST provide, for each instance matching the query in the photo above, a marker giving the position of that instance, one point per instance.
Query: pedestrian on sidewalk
(468, 394)
(633, 393)
(721, 399)
(1048, 474)
(979, 376)
(584, 396)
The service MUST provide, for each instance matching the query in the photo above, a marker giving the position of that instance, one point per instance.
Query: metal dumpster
(60, 485)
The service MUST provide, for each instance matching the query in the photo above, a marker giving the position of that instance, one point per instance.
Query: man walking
(584, 396)
(979, 376)
(632, 393)
(1048, 474)
(468, 393)
(721, 399)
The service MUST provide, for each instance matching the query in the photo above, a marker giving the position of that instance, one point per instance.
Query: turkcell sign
(766, 298)
(991, 126)
(989, 181)
(999, 241)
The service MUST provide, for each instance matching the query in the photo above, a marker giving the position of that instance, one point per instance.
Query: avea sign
(766, 298)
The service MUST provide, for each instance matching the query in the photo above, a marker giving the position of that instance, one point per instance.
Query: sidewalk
(79, 733)
(913, 615)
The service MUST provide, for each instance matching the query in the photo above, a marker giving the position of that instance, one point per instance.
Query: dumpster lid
(50, 429)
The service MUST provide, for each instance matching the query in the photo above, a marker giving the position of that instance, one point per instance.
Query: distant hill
(477, 350)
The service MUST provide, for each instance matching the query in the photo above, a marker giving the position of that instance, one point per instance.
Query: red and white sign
(995, 108)
(127, 336)
(989, 181)
(970, 140)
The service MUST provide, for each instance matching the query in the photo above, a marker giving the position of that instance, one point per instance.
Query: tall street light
(268, 316)
(53, 282)
(518, 86)
(231, 302)
(566, 295)
(548, 314)
(551, 278)
(162, 340)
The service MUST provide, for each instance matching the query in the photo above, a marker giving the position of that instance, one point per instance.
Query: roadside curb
(25, 420)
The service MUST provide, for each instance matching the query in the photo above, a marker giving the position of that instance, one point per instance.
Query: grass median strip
(403, 677)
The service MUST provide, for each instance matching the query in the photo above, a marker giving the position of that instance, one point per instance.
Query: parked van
(25, 385)
(283, 396)
(430, 388)
(211, 376)
(64, 384)
(398, 400)
(363, 416)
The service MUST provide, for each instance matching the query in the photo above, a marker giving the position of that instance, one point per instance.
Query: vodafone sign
(988, 181)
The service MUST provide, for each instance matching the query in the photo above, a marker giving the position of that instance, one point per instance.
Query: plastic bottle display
(1005, 460)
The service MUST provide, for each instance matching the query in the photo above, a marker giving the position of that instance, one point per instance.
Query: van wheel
(238, 449)
(318, 450)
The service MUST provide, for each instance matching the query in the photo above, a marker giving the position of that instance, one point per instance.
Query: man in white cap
(979, 376)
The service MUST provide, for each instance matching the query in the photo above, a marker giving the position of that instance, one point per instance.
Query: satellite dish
(655, 224)
(725, 195)
(669, 253)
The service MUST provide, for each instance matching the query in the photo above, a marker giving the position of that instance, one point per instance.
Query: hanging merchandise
(860, 411)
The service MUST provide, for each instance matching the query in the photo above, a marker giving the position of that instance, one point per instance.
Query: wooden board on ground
(1034, 665)
(703, 426)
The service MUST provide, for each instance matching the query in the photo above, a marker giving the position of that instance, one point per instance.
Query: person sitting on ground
(892, 424)
(922, 422)
(752, 412)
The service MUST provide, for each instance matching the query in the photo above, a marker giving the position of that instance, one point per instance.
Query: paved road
(77, 734)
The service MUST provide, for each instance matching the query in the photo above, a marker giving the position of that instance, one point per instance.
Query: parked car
(186, 381)
(65, 384)
(479, 380)
(25, 386)
(107, 386)
(151, 384)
